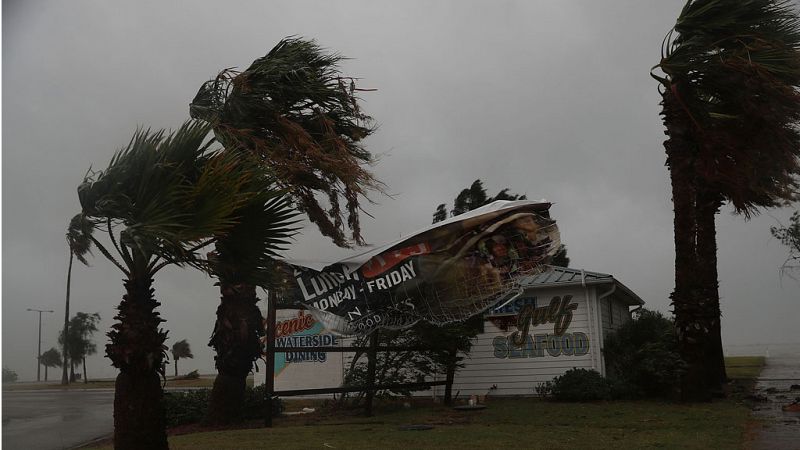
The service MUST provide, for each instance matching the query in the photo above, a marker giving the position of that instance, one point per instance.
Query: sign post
(269, 383)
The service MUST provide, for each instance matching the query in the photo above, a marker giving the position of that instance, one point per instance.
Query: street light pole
(39, 355)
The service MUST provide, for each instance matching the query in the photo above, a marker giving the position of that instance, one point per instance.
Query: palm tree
(79, 246)
(161, 199)
(242, 260)
(295, 112)
(79, 341)
(730, 105)
(50, 358)
(180, 350)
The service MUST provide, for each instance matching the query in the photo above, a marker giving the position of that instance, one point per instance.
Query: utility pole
(39, 354)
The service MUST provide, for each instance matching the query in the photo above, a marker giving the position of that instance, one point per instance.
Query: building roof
(563, 276)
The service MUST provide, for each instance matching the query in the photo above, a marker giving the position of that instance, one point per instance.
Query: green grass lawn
(512, 422)
(743, 367)
(517, 423)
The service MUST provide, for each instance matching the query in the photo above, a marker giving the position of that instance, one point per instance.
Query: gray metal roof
(557, 275)
(560, 276)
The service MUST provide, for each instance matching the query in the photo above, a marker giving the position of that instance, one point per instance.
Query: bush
(642, 356)
(9, 376)
(544, 390)
(190, 406)
(581, 385)
(193, 375)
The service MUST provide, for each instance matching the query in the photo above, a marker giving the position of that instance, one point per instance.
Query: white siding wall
(517, 372)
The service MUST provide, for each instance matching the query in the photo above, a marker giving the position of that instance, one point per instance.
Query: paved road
(779, 429)
(54, 419)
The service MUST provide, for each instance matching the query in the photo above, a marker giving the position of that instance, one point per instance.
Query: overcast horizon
(550, 99)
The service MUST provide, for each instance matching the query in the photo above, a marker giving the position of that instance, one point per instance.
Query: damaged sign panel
(444, 273)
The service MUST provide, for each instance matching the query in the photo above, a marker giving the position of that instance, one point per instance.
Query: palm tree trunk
(688, 304)
(137, 350)
(237, 342)
(85, 379)
(64, 379)
(45, 372)
(176, 367)
(71, 371)
(708, 204)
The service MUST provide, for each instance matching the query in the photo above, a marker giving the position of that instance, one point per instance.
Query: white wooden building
(597, 304)
(571, 312)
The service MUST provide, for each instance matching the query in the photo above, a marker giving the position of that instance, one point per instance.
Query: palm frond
(734, 67)
(165, 193)
(296, 111)
(265, 224)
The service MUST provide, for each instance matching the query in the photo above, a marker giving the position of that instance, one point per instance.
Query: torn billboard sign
(444, 273)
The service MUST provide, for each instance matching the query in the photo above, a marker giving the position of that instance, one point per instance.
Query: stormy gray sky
(551, 99)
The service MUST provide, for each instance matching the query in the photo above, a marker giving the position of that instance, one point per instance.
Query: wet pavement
(779, 429)
(55, 419)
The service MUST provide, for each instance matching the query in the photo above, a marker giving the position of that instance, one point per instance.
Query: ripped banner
(444, 273)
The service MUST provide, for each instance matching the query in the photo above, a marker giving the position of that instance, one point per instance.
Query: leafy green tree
(181, 349)
(9, 376)
(440, 214)
(560, 259)
(790, 236)
(730, 107)
(471, 198)
(50, 358)
(411, 367)
(642, 356)
(80, 345)
(161, 199)
(295, 112)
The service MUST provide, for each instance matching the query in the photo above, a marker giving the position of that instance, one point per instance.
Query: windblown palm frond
(79, 232)
(733, 66)
(165, 194)
(264, 226)
(295, 110)
(181, 349)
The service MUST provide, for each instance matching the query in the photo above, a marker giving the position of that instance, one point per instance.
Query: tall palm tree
(296, 113)
(181, 349)
(730, 105)
(79, 245)
(243, 260)
(161, 199)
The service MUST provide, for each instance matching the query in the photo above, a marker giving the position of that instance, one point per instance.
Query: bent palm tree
(731, 107)
(181, 349)
(160, 200)
(295, 112)
(242, 260)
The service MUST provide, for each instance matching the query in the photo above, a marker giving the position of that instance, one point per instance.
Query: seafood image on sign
(444, 273)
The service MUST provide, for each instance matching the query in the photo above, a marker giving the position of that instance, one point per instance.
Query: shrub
(642, 356)
(9, 376)
(193, 375)
(581, 385)
(190, 406)
(544, 390)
